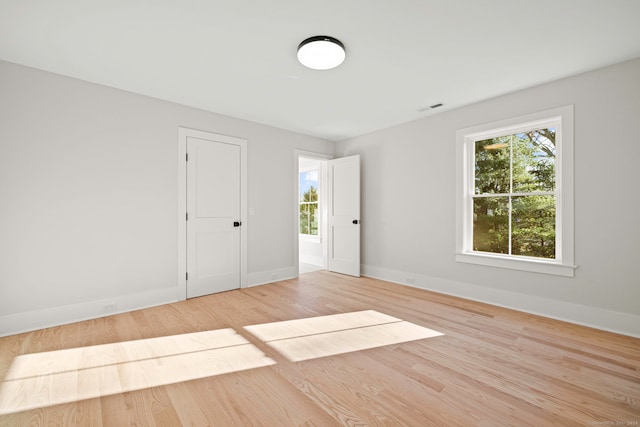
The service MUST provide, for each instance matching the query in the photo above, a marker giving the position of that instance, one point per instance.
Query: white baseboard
(599, 318)
(270, 276)
(16, 323)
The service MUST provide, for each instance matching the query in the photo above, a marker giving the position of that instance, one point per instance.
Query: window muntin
(308, 202)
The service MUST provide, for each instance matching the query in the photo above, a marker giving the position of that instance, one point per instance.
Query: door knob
(237, 223)
(355, 221)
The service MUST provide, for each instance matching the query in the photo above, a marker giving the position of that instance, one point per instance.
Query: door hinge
(187, 216)
(187, 276)
(187, 157)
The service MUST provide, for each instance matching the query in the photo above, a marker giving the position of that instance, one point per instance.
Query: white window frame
(562, 119)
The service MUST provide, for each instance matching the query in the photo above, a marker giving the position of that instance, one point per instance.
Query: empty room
(337, 213)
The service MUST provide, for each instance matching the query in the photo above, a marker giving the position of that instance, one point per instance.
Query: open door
(343, 203)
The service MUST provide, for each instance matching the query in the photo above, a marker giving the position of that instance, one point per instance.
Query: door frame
(296, 213)
(183, 134)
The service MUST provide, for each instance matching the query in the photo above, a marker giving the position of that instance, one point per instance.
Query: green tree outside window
(514, 202)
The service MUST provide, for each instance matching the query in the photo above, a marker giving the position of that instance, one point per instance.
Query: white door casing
(344, 215)
(212, 213)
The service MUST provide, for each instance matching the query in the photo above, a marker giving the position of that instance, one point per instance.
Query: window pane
(312, 194)
(534, 226)
(492, 165)
(534, 156)
(313, 219)
(308, 186)
(304, 219)
(491, 224)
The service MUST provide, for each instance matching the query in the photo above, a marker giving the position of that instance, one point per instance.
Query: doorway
(312, 214)
(327, 213)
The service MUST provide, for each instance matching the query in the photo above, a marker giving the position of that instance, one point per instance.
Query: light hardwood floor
(491, 366)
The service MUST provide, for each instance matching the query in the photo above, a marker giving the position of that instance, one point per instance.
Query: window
(514, 200)
(515, 193)
(308, 202)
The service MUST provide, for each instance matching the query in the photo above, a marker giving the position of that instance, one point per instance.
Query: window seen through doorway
(308, 202)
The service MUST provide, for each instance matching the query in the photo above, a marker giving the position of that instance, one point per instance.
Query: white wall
(408, 203)
(88, 197)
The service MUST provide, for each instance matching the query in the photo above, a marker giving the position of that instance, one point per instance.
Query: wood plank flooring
(491, 366)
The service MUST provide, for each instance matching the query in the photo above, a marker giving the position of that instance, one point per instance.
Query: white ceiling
(238, 57)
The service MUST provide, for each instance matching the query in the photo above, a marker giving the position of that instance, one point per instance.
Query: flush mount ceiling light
(321, 52)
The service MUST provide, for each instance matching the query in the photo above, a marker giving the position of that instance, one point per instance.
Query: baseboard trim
(16, 323)
(270, 276)
(599, 318)
(594, 317)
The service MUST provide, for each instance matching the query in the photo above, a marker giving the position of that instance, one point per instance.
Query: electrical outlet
(108, 308)
(411, 280)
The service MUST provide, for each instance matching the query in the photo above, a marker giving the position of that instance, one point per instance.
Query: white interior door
(213, 227)
(343, 203)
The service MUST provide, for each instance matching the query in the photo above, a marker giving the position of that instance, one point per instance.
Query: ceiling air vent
(430, 107)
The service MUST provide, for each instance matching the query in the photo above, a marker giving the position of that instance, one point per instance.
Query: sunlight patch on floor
(55, 377)
(50, 378)
(322, 336)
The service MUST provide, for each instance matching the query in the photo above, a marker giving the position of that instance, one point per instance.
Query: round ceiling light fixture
(321, 52)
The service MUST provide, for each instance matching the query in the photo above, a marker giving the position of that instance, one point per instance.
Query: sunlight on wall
(305, 339)
(50, 378)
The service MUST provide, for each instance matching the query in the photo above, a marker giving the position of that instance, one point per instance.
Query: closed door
(213, 229)
(344, 215)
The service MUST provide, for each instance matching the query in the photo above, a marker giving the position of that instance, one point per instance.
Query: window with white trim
(515, 193)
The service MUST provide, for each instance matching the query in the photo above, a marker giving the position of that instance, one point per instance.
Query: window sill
(310, 238)
(513, 263)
